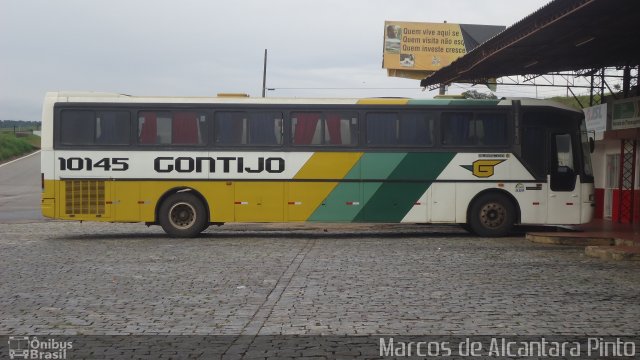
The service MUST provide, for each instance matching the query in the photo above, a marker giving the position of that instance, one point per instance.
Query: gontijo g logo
(25, 347)
(483, 168)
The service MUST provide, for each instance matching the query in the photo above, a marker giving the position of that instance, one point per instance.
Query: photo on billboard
(413, 49)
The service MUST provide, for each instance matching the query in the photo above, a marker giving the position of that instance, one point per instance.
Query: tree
(474, 94)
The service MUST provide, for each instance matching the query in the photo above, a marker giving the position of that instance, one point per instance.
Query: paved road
(20, 190)
(68, 278)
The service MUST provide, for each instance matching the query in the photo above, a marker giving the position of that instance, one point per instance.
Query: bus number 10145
(106, 164)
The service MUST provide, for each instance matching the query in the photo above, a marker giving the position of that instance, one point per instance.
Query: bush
(10, 147)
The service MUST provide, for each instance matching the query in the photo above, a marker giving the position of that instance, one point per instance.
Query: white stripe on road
(18, 159)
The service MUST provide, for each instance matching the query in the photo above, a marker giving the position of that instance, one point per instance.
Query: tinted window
(323, 128)
(85, 127)
(382, 129)
(77, 127)
(248, 128)
(491, 129)
(171, 128)
(411, 129)
(113, 127)
(416, 129)
(466, 129)
(534, 149)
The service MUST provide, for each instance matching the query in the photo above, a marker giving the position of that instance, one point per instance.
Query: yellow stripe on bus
(383, 101)
(304, 197)
(328, 165)
(241, 201)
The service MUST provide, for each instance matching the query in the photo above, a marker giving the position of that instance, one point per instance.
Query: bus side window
(463, 129)
(113, 127)
(306, 128)
(186, 128)
(318, 128)
(457, 129)
(230, 127)
(154, 127)
(382, 129)
(416, 129)
(147, 128)
(340, 128)
(265, 128)
(77, 127)
(248, 128)
(491, 129)
(171, 128)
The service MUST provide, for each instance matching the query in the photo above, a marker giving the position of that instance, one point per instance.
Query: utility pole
(264, 75)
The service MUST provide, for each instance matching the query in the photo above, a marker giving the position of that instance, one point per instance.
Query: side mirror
(592, 145)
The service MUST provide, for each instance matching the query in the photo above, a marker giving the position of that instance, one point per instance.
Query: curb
(614, 252)
(556, 239)
(605, 248)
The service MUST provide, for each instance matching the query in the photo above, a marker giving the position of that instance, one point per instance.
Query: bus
(185, 163)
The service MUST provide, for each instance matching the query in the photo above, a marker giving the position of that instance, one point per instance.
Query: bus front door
(564, 193)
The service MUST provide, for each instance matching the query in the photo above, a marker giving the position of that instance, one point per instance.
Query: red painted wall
(599, 212)
(615, 211)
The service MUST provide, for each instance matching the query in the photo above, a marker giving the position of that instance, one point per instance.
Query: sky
(328, 48)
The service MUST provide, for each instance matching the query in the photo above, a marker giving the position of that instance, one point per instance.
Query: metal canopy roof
(564, 35)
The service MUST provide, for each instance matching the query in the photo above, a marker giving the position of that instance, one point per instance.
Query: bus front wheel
(492, 215)
(183, 215)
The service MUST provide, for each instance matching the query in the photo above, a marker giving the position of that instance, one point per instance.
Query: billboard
(596, 119)
(626, 114)
(415, 50)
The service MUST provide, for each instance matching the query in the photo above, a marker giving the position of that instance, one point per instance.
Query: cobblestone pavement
(89, 278)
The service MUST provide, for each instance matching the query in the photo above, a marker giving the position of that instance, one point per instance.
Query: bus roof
(104, 97)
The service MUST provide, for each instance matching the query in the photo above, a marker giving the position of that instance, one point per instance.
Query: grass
(11, 146)
(34, 140)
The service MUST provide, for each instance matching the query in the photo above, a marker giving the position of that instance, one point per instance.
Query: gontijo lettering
(225, 164)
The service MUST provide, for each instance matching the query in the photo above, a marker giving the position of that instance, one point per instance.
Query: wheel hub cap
(182, 215)
(493, 215)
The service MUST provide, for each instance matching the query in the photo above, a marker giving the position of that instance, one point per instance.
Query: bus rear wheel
(492, 215)
(183, 215)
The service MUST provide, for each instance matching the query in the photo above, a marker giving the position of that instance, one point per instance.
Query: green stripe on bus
(380, 200)
(466, 102)
(391, 201)
(333, 208)
(435, 102)
(347, 199)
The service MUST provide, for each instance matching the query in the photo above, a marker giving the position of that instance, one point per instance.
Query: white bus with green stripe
(185, 163)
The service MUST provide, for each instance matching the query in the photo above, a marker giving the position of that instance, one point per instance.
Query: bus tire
(492, 215)
(183, 215)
